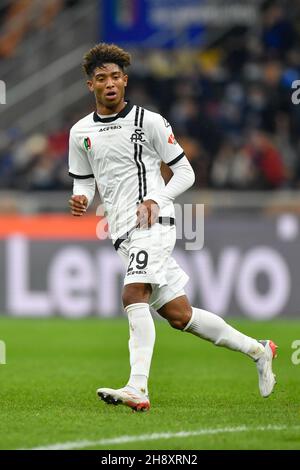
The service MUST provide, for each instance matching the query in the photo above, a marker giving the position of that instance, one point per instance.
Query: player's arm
(173, 155)
(83, 195)
(81, 171)
(183, 178)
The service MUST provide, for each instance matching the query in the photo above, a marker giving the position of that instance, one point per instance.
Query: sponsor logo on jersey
(130, 273)
(109, 128)
(172, 140)
(87, 143)
(138, 136)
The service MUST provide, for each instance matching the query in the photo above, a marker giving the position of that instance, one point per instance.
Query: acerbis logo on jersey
(87, 143)
(109, 128)
(138, 136)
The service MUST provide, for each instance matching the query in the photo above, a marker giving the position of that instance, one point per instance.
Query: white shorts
(147, 255)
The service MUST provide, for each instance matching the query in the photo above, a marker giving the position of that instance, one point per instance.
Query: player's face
(108, 83)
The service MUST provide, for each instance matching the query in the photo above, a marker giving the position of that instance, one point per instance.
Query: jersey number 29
(141, 260)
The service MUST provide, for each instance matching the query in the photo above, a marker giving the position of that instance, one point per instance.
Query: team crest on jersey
(87, 143)
(138, 136)
(172, 140)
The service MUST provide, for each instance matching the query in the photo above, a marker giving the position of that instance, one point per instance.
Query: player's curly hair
(105, 54)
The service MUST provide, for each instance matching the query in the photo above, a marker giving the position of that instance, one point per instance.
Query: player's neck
(104, 111)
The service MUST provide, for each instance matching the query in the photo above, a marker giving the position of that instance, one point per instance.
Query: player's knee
(136, 293)
(179, 322)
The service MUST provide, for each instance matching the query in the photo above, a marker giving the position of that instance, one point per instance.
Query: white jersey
(124, 154)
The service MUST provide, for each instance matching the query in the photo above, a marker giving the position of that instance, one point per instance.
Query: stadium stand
(229, 103)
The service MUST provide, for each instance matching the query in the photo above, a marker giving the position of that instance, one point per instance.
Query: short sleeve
(164, 141)
(79, 165)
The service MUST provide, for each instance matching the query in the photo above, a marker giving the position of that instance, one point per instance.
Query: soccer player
(120, 147)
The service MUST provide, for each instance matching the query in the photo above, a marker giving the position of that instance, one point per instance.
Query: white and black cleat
(127, 396)
(266, 377)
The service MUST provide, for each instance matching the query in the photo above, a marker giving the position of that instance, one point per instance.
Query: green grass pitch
(54, 367)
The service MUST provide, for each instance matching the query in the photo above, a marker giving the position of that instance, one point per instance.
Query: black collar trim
(121, 114)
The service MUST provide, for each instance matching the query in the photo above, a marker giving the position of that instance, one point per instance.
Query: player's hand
(78, 205)
(147, 213)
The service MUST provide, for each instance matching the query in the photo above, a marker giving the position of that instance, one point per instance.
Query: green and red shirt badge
(87, 143)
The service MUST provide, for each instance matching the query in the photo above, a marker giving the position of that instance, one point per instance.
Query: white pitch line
(156, 436)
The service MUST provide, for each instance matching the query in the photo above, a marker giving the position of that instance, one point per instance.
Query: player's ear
(125, 78)
(90, 85)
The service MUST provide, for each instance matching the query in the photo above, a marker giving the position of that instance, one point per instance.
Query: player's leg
(141, 343)
(142, 333)
(181, 315)
(149, 252)
(145, 267)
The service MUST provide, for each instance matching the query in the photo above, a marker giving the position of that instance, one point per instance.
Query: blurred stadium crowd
(230, 107)
(23, 17)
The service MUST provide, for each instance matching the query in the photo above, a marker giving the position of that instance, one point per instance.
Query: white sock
(213, 328)
(141, 344)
